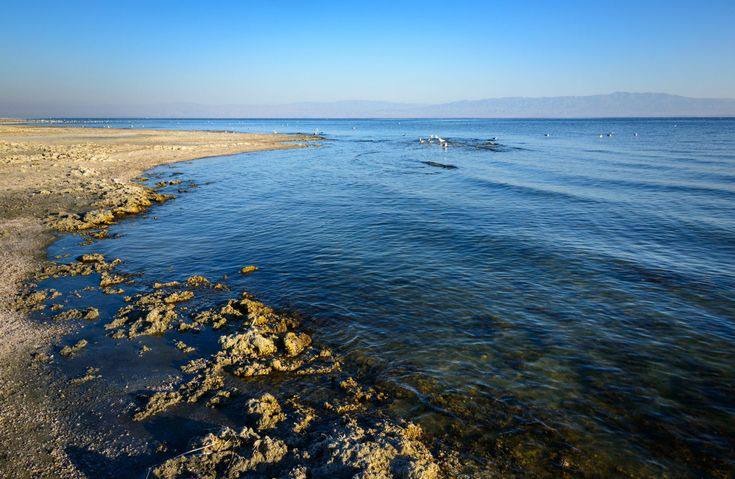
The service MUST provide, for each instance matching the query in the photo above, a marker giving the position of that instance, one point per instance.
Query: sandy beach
(68, 179)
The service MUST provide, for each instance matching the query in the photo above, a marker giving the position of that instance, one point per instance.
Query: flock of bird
(445, 144)
(612, 133)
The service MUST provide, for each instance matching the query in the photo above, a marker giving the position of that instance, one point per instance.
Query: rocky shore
(63, 180)
(325, 423)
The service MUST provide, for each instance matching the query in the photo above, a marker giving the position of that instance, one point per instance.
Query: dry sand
(45, 171)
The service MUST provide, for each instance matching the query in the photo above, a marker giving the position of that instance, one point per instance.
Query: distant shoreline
(613, 105)
(51, 120)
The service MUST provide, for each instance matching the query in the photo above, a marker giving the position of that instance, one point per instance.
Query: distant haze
(592, 106)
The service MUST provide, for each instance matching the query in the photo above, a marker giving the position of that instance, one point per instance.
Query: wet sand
(69, 179)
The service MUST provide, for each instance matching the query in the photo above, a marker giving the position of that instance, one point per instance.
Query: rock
(107, 279)
(69, 314)
(248, 269)
(268, 410)
(90, 375)
(236, 453)
(178, 297)
(198, 281)
(98, 217)
(91, 258)
(182, 346)
(67, 351)
(295, 344)
(248, 345)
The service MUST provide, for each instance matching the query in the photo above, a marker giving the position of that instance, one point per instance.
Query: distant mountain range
(593, 106)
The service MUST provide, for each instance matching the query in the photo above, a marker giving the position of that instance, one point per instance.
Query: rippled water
(567, 292)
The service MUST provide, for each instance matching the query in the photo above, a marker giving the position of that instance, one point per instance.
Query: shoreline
(66, 179)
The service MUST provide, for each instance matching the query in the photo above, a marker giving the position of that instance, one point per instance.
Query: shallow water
(567, 292)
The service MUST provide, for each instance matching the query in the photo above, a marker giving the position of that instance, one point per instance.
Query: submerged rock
(379, 449)
(183, 347)
(69, 314)
(90, 375)
(435, 164)
(67, 351)
(382, 451)
(348, 436)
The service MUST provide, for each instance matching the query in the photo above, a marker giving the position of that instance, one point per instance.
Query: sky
(274, 52)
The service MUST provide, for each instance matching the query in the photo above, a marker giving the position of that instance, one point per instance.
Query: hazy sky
(104, 52)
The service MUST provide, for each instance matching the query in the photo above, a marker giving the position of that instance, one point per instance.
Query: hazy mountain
(612, 105)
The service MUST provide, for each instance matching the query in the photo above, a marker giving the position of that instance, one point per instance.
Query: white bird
(546, 134)
(635, 134)
(421, 140)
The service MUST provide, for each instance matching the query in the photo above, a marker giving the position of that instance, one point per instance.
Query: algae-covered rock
(67, 351)
(248, 269)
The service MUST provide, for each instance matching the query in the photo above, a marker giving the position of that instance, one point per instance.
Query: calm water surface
(564, 292)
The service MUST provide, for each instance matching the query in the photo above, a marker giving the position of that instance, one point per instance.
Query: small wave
(533, 190)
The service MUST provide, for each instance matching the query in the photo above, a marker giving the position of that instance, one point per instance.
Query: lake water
(551, 290)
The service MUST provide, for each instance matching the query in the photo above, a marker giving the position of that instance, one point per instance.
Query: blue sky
(278, 52)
